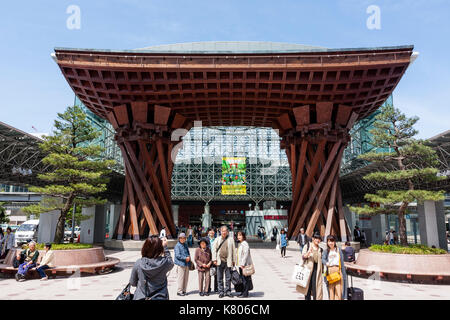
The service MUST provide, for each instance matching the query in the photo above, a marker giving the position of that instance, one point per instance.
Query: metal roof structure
(20, 156)
(230, 47)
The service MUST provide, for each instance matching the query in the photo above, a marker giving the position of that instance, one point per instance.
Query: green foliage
(62, 246)
(392, 128)
(78, 173)
(78, 215)
(3, 217)
(410, 249)
(411, 161)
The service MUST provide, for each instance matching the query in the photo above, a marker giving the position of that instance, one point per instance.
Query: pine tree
(415, 163)
(3, 217)
(78, 173)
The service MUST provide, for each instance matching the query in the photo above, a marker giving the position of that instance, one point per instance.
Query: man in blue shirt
(182, 261)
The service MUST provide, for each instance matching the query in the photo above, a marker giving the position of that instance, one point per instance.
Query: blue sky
(33, 90)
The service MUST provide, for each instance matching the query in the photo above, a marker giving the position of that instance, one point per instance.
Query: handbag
(191, 266)
(125, 294)
(248, 270)
(301, 275)
(212, 271)
(335, 276)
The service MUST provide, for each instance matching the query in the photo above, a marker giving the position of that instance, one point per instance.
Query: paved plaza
(271, 282)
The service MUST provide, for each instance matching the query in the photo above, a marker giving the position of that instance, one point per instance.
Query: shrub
(410, 249)
(62, 246)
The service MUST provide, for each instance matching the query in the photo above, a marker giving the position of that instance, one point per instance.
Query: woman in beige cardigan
(312, 258)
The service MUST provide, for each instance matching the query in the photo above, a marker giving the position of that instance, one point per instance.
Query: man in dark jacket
(357, 234)
(302, 239)
(149, 274)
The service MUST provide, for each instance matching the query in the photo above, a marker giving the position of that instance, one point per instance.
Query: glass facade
(10, 188)
(198, 172)
(106, 140)
(361, 142)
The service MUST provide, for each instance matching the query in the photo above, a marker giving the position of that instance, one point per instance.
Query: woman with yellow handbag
(333, 259)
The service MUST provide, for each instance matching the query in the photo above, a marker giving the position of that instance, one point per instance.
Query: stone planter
(402, 267)
(90, 260)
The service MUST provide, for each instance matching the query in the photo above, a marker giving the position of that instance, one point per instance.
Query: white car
(27, 232)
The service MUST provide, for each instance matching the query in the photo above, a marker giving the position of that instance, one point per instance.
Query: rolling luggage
(354, 293)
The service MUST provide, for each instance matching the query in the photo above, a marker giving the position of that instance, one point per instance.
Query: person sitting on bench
(46, 262)
(31, 256)
(18, 259)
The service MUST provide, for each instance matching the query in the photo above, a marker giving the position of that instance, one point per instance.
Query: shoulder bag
(248, 270)
(335, 276)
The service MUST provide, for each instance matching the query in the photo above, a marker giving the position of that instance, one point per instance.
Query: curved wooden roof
(235, 89)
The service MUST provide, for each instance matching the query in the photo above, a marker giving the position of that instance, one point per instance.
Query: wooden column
(146, 150)
(316, 137)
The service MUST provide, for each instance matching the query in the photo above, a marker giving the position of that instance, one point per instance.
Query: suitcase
(354, 293)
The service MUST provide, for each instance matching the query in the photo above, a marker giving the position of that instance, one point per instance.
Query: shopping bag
(301, 275)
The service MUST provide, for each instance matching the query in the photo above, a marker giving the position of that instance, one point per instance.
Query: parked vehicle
(68, 233)
(27, 232)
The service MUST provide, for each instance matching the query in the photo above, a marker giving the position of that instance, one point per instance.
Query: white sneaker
(44, 279)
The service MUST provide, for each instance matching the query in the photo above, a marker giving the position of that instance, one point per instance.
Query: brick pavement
(271, 281)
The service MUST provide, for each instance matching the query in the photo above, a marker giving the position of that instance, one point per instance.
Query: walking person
(2, 236)
(333, 260)
(7, 243)
(282, 242)
(190, 234)
(302, 239)
(274, 233)
(203, 261)
(391, 237)
(46, 261)
(31, 256)
(244, 259)
(149, 274)
(363, 239)
(224, 258)
(182, 261)
(312, 256)
(357, 234)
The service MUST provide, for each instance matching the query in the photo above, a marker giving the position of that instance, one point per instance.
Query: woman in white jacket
(244, 259)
